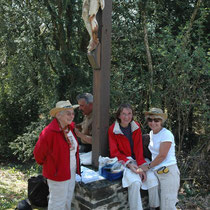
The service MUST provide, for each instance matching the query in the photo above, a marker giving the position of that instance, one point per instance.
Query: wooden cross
(101, 84)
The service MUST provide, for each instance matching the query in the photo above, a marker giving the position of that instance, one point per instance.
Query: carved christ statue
(89, 11)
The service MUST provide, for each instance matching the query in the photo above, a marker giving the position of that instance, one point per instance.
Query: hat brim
(162, 115)
(54, 111)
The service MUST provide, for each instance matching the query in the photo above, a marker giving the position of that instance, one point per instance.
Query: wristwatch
(149, 166)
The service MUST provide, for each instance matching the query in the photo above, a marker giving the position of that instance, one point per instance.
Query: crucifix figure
(89, 11)
(99, 55)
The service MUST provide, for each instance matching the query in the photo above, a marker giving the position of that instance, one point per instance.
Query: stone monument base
(102, 195)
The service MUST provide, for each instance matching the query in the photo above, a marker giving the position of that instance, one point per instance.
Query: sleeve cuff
(127, 162)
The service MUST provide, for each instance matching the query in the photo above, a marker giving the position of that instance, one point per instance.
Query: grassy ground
(13, 188)
(13, 183)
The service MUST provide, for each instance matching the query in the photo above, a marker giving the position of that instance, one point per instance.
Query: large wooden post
(101, 86)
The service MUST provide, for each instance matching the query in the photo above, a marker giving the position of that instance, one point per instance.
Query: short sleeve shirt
(163, 135)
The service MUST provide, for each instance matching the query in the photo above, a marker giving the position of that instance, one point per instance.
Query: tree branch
(187, 36)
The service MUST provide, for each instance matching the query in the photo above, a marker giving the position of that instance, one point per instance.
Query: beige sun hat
(62, 105)
(157, 113)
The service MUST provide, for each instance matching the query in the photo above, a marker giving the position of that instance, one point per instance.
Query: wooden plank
(101, 87)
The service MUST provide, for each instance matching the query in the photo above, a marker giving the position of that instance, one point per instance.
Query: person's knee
(136, 185)
(153, 190)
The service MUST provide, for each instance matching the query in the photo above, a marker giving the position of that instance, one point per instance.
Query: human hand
(143, 176)
(133, 167)
(145, 167)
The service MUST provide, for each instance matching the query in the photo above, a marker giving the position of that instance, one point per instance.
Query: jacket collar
(54, 125)
(117, 129)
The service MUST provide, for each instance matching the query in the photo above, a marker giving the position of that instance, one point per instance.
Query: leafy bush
(23, 145)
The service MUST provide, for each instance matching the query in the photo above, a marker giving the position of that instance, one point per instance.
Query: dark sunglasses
(155, 120)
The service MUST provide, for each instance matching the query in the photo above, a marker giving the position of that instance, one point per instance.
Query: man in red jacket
(58, 152)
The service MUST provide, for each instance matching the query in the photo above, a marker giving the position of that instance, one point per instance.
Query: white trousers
(61, 193)
(134, 183)
(154, 199)
(134, 196)
(169, 187)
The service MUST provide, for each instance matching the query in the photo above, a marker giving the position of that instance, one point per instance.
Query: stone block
(102, 195)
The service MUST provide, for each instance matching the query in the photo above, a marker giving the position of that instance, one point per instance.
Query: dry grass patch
(13, 184)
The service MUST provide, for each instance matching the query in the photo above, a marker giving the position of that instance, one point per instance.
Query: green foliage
(180, 64)
(43, 60)
(23, 145)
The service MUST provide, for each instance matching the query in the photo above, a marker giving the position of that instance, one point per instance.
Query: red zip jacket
(52, 152)
(119, 145)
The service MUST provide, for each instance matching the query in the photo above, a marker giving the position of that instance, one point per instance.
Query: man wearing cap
(58, 152)
(84, 129)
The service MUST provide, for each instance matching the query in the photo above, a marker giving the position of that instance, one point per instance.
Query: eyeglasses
(151, 119)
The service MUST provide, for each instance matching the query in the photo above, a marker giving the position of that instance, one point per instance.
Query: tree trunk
(148, 53)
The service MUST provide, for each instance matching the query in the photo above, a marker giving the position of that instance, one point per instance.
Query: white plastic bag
(86, 158)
